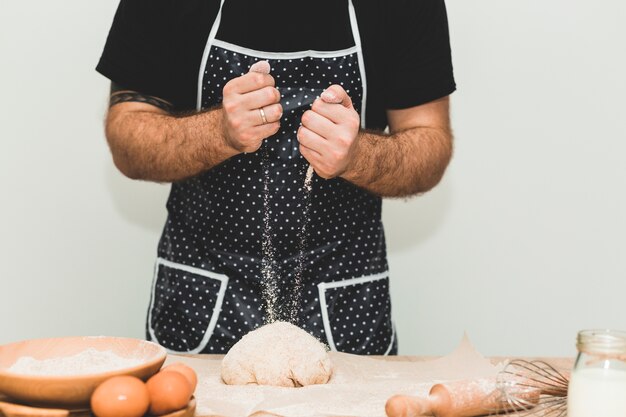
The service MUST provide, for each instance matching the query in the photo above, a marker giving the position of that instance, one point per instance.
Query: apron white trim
(323, 286)
(357, 42)
(205, 54)
(223, 279)
(284, 55)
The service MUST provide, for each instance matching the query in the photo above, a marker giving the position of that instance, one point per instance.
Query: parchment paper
(360, 385)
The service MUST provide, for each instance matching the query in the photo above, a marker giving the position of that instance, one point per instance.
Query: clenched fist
(329, 133)
(244, 97)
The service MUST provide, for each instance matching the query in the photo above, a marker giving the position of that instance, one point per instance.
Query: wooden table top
(560, 363)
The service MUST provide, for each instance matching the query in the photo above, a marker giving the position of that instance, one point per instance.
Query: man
(251, 237)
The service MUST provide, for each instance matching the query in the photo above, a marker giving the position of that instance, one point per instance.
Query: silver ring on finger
(263, 118)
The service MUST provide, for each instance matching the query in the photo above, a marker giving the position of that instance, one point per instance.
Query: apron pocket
(184, 306)
(356, 314)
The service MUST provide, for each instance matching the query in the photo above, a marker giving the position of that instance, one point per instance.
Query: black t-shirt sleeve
(136, 50)
(419, 67)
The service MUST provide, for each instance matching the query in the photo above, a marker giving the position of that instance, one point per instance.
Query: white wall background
(521, 245)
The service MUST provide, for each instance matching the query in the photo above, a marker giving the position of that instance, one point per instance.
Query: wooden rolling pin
(457, 399)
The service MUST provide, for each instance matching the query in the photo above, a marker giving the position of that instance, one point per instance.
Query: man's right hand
(243, 126)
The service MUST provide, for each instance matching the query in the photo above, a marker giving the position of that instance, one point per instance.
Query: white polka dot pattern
(215, 223)
(358, 316)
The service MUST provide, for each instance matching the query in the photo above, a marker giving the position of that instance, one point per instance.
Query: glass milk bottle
(597, 386)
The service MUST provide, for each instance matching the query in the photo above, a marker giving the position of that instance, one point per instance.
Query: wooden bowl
(72, 391)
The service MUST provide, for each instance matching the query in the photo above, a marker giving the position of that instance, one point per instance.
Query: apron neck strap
(355, 34)
(205, 55)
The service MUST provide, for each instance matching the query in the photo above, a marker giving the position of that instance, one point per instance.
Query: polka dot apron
(238, 251)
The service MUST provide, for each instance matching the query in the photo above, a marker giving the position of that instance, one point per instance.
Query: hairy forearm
(161, 147)
(402, 164)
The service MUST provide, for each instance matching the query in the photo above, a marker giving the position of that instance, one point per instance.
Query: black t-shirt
(156, 46)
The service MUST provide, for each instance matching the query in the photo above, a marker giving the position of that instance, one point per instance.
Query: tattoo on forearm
(126, 96)
(119, 94)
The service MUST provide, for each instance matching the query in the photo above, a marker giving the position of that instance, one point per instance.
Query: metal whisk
(520, 376)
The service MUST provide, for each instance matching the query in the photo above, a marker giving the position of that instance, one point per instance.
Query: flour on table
(278, 354)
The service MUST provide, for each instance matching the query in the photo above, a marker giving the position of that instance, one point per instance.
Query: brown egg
(187, 371)
(120, 396)
(169, 391)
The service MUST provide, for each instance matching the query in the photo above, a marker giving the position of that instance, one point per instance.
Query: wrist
(224, 143)
(352, 172)
(215, 145)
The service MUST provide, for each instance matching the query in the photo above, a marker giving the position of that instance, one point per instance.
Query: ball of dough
(278, 354)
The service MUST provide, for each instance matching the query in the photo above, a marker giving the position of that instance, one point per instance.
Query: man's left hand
(329, 133)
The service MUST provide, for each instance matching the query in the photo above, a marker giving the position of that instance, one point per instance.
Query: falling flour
(90, 361)
(302, 247)
(308, 179)
(271, 277)
(268, 264)
(269, 285)
(269, 268)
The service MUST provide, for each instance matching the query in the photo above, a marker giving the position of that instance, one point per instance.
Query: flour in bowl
(90, 361)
